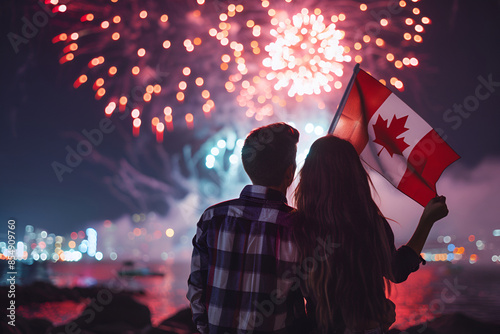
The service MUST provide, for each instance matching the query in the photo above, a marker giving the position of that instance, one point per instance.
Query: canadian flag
(391, 138)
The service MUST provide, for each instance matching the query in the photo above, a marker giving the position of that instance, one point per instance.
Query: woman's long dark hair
(334, 201)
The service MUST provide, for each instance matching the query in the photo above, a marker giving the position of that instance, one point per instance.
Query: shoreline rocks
(110, 312)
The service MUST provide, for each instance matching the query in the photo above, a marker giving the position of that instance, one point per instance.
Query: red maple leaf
(387, 135)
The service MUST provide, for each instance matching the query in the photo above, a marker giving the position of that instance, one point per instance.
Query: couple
(255, 258)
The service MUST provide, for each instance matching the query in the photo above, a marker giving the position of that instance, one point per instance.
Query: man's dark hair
(268, 152)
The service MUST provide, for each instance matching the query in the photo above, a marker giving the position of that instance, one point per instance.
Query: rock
(459, 323)
(181, 322)
(109, 313)
(456, 323)
(26, 326)
(119, 308)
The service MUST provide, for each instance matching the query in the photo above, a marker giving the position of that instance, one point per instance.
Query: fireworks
(174, 64)
(306, 43)
(141, 58)
(285, 55)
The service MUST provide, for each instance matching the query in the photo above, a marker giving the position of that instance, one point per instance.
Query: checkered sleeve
(197, 282)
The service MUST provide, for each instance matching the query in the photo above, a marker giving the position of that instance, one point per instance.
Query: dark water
(435, 289)
(438, 288)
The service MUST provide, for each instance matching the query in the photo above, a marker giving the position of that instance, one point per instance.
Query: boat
(129, 269)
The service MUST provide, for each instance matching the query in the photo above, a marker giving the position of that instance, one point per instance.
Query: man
(244, 261)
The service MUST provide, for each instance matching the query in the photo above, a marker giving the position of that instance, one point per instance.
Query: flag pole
(344, 99)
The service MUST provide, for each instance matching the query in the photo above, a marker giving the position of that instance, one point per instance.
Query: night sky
(41, 113)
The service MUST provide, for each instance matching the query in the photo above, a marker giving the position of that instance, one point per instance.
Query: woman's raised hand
(435, 210)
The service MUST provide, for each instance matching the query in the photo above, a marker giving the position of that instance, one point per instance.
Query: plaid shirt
(243, 269)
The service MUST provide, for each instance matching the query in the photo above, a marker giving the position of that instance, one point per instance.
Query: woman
(346, 288)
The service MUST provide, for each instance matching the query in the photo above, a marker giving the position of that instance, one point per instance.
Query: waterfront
(434, 290)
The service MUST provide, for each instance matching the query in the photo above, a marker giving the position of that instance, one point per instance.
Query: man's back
(243, 268)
